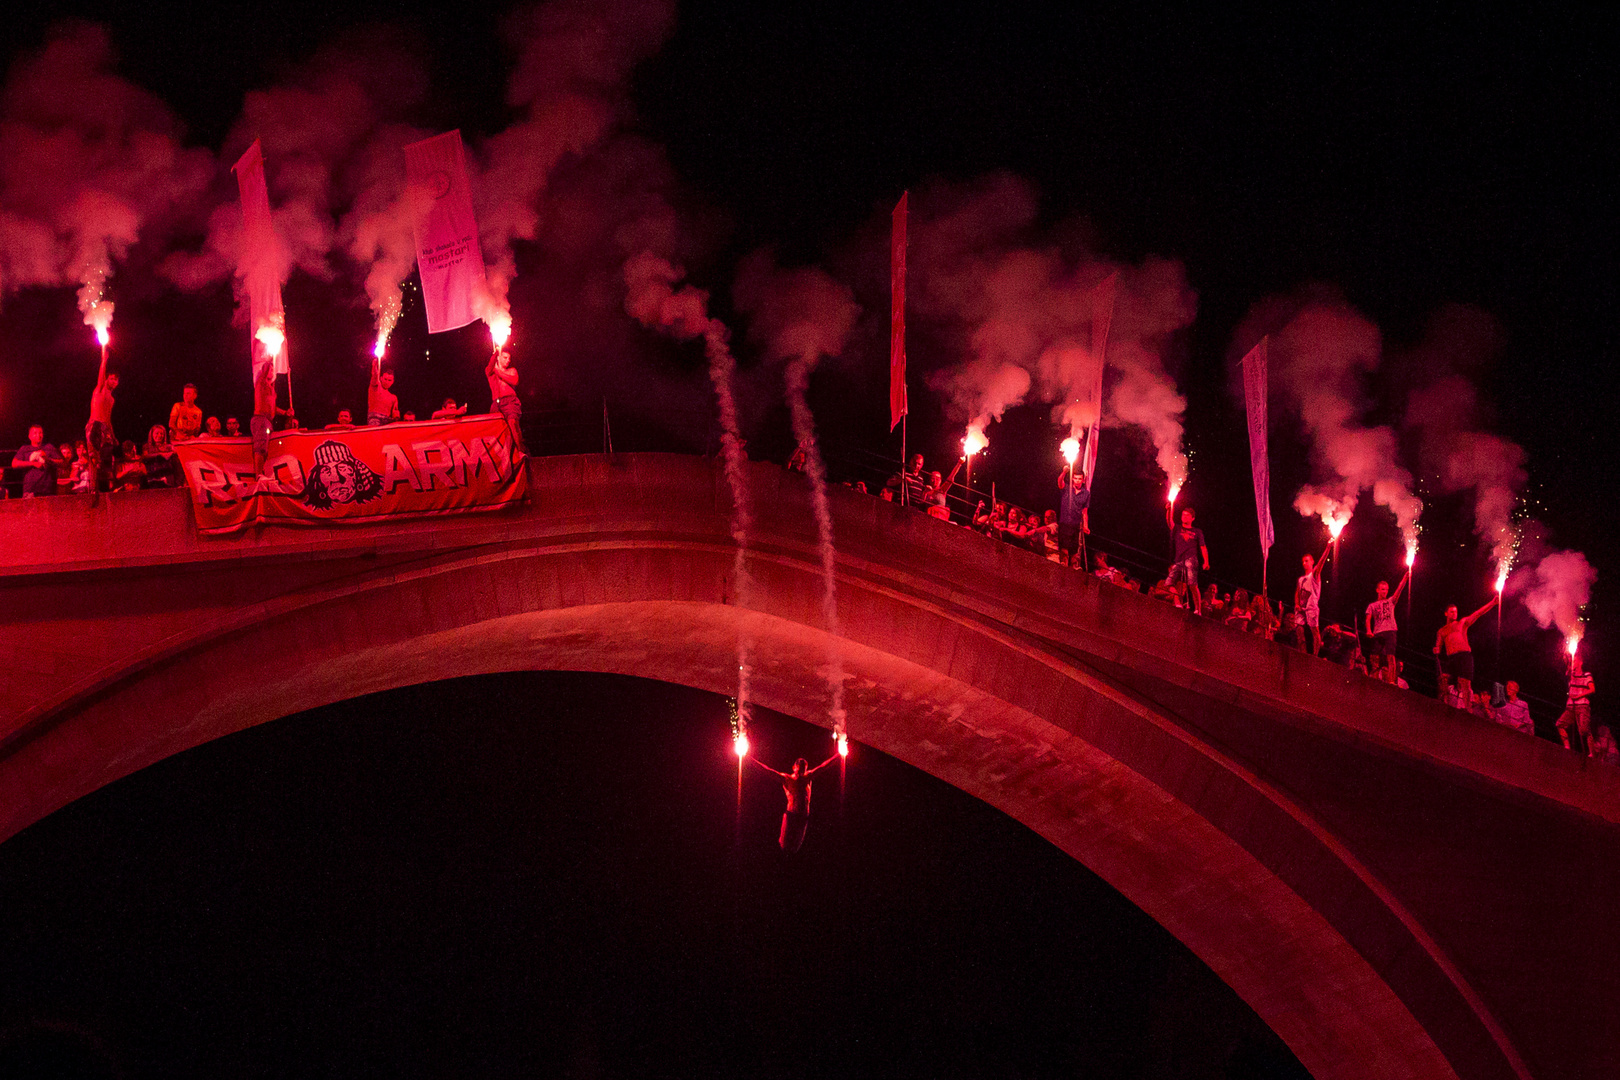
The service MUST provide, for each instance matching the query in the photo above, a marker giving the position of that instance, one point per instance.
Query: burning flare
(1502, 576)
(271, 337)
(1175, 490)
(500, 329)
(381, 347)
(739, 745)
(1071, 450)
(1573, 643)
(1411, 558)
(974, 441)
(843, 744)
(1335, 525)
(103, 337)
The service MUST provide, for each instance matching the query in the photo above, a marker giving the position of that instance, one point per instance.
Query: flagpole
(903, 485)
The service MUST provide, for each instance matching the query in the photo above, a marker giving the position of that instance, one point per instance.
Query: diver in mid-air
(796, 785)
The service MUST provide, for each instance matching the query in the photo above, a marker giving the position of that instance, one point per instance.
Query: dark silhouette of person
(796, 785)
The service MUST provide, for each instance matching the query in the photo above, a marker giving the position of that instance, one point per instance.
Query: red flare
(739, 745)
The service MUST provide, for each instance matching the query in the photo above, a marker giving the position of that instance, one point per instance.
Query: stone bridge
(1399, 890)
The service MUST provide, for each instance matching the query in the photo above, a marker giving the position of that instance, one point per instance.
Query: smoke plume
(1019, 316)
(1450, 421)
(1557, 589)
(801, 316)
(87, 160)
(571, 87)
(656, 298)
(1322, 351)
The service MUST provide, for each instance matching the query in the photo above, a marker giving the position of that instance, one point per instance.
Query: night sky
(424, 888)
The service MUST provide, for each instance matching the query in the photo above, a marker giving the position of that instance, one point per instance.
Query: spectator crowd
(1059, 535)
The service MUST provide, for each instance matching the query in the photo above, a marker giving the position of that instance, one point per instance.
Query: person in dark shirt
(1074, 516)
(1189, 552)
(42, 460)
(796, 786)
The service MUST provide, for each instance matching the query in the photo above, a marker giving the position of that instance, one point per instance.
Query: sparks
(973, 442)
(739, 745)
(1071, 450)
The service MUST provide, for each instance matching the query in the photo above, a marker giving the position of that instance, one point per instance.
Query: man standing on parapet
(1074, 518)
(1578, 706)
(382, 407)
(1381, 630)
(1456, 657)
(98, 433)
(1308, 598)
(1188, 550)
(503, 380)
(265, 411)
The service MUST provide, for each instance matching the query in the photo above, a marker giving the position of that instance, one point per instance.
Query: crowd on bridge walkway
(100, 462)
(1061, 533)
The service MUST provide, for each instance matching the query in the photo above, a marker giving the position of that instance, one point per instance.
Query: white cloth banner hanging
(447, 252)
(261, 261)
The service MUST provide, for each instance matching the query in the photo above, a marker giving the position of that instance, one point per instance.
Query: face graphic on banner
(439, 183)
(338, 477)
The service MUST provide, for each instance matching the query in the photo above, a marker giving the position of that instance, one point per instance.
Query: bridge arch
(980, 665)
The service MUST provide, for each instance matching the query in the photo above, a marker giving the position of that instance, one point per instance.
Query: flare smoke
(1449, 419)
(89, 161)
(655, 297)
(1020, 313)
(1321, 352)
(1557, 589)
(802, 316)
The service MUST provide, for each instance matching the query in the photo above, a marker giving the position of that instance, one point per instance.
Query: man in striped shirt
(1578, 706)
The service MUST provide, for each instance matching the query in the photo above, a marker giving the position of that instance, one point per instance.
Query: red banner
(354, 474)
(1254, 398)
(897, 314)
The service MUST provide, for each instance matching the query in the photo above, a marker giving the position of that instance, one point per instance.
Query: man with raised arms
(382, 407)
(265, 411)
(1456, 657)
(503, 381)
(98, 433)
(1188, 549)
(1308, 598)
(1381, 630)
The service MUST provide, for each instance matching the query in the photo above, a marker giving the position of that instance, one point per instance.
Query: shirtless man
(1451, 646)
(796, 786)
(1308, 597)
(503, 380)
(185, 418)
(382, 406)
(265, 411)
(98, 433)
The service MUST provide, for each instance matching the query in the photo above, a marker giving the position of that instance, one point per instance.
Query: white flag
(447, 251)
